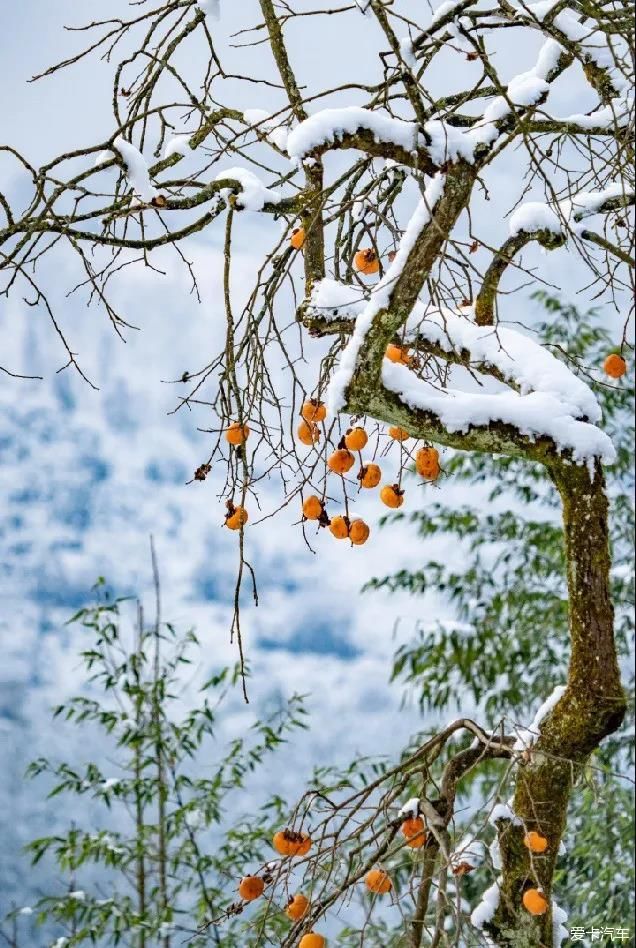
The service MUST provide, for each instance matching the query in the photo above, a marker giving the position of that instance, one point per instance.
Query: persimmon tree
(380, 299)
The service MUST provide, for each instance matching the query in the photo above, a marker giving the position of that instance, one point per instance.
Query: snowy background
(86, 477)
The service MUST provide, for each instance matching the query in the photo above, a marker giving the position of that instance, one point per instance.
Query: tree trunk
(591, 708)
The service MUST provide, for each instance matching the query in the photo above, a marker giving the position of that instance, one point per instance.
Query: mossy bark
(591, 708)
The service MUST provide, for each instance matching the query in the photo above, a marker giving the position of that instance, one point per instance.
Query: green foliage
(169, 847)
(507, 646)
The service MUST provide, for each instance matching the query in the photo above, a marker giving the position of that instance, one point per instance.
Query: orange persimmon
(392, 496)
(297, 238)
(313, 507)
(535, 902)
(312, 940)
(427, 463)
(251, 887)
(377, 880)
(358, 532)
(308, 433)
(237, 434)
(340, 461)
(236, 518)
(397, 354)
(370, 475)
(355, 439)
(339, 527)
(297, 908)
(398, 434)
(615, 366)
(414, 831)
(314, 411)
(366, 261)
(535, 842)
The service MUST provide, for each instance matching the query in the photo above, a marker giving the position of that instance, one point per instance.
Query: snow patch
(528, 736)
(381, 295)
(177, 145)
(535, 415)
(254, 195)
(331, 125)
(411, 808)
(136, 169)
(487, 907)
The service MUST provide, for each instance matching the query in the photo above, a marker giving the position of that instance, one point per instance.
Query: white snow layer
(470, 851)
(533, 216)
(503, 811)
(559, 925)
(487, 907)
(331, 125)
(254, 195)
(410, 808)
(381, 295)
(528, 736)
(446, 7)
(136, 169)
(443, 142)
(177, 145)
(551, 399)
(534, 415)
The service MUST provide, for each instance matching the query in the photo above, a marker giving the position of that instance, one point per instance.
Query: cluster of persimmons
(341, 461)
(291, 844)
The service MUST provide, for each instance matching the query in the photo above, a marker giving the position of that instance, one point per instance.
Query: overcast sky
(87, 476)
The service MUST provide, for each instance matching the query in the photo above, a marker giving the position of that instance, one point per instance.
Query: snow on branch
(332, 125)
(528, 736)
(516, 356)
(381, 296)
(535, 415)
(534, 216)
(489, 904)
(254, 195)
(136, 169)
(442, 142)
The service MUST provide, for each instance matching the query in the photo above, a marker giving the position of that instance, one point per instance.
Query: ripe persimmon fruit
(366, 261)
(615, 366)
(398, 434)
(370, 475)
(377, 880)
(236, 517)
(251, 887)
(415, 831)
(314, 411)
(313, 507)
(535, 842)
(297, 238)
(340, 461)
(535, 902)
(397, 354)
(355, 439)
(297, 908)
(288, 843)
(339, 527)
(237, 434)
(427, 463)
(359, 532)
(312, 940)
(308, 433)
(392, 496)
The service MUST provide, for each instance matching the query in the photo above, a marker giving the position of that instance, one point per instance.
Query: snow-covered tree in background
(382, 257)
